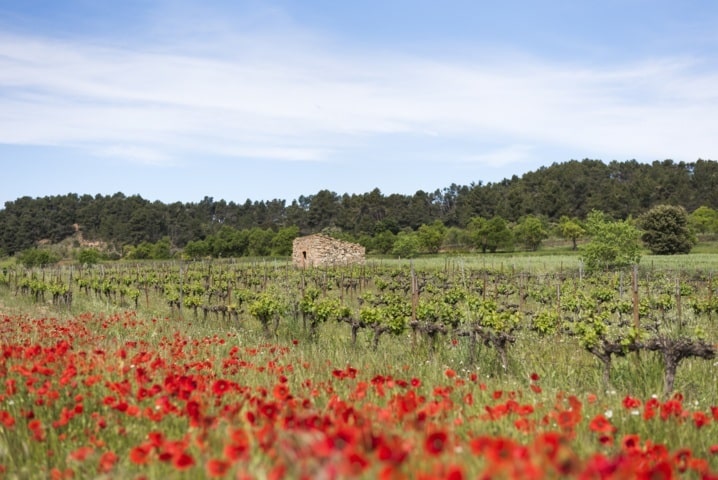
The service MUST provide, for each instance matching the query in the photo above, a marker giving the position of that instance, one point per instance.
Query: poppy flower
(81, 454)
(281, 391)
(139, 455)
(435, 442)
(631, 443)
(630, 402)
(216, 468)
(600, 424)
(183, 461)
(700, 419)
(107, 462)
(7, 419)
(220, 387)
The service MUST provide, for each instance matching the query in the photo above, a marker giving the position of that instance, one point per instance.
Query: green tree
(162, 249)
(406, 244)
(704, 220)
(614, 244)
(431, 236)
(490, 235)
(457, 239)
(197, 249)
(531, 231)
(666, 231)
(260, 241)
(89, 256)
(571, 229)
(35, 257)
(281, 244)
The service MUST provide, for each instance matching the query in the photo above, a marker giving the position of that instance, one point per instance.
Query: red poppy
(601, 424)
(281, 391)
(631, 402)
(216, 468)
(455, 472)
(182, 461)
(81, 453)
(700, 419)
(107, 462)
(435, 442)
(220, 387)
(659, 471)
(631, 443)
(140, 455)
(7, 419)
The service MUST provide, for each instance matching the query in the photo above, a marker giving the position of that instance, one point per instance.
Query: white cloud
(271, 97)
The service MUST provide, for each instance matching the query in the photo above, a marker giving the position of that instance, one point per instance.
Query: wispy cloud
(269, 96)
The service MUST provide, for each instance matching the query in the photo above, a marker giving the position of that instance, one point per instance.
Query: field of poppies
(127, 394)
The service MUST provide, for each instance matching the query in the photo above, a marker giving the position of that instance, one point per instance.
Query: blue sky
(249, 99)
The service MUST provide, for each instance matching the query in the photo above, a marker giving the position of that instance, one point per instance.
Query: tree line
(549, 195)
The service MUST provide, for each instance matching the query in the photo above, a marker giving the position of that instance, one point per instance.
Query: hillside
(573, 188)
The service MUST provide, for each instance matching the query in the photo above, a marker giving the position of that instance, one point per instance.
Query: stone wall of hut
(322, 250)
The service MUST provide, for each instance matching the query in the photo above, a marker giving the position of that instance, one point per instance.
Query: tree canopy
(571, 189)
(666, 230)
(614, 244)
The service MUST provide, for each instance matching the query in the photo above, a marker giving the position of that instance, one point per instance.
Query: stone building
(321, 250)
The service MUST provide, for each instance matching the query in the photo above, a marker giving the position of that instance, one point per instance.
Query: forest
(570, 190)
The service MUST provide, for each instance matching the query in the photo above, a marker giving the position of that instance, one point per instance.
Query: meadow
(445, 367)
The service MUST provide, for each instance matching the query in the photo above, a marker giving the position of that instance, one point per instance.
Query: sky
(176, 100)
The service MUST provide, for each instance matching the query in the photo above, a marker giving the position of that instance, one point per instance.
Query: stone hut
(322, 250)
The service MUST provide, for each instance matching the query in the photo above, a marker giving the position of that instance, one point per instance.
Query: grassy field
(99, 389)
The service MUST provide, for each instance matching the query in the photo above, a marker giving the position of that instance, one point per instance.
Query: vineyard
(391, 369)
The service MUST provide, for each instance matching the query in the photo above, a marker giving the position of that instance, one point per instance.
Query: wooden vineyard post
(181, 293)
(710, 295)
(558, 299)
(679, 309)
(634, 281)
(414, 299)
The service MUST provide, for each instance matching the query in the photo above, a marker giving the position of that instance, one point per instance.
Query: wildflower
(107, 462)
(216, 468)
(631, 402)
(630, 443)
(600, 424)
(6, 419)
(140, 455)
(700, 419)
(220, 387)
(183, 461)
(81, 454)
(435, 442)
